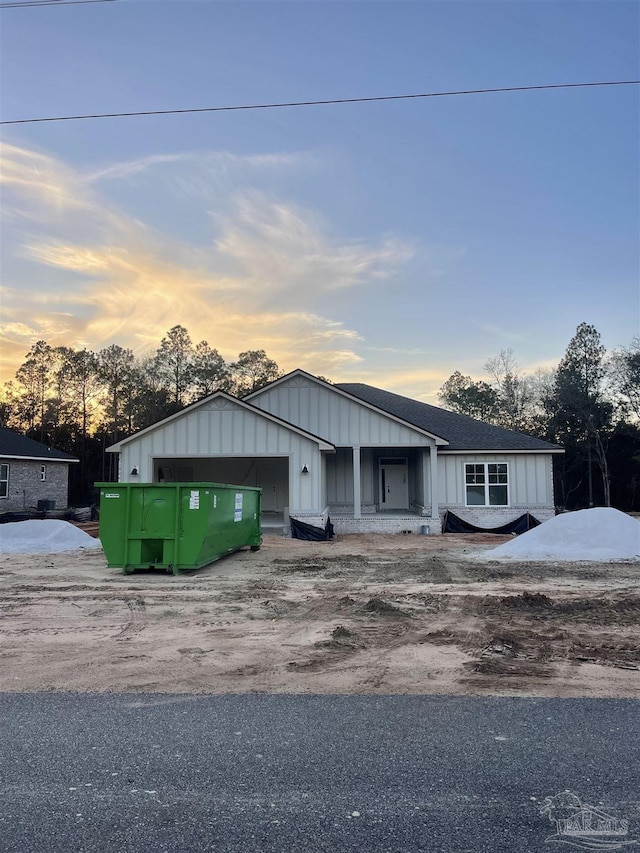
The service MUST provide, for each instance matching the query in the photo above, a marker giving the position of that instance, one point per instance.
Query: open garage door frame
(270, 473)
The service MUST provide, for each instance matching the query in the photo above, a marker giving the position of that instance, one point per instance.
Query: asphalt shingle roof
(13, 444)
(462, 432)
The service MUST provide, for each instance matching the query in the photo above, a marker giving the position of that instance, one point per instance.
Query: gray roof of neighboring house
(462, 432)
(14, 445)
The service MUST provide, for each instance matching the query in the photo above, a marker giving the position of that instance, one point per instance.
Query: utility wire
(318, 103)
(31, 3)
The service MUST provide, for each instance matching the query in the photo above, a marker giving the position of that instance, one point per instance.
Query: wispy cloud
(411, 351)
(96, 275)
(282, 248)
(195, 175)
(508, 335)
(37, 177)
(208, 161)
(132, 167)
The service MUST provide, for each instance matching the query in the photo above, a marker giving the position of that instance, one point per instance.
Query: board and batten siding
(219, 428)
(339, 477)
(222, 428)
(530, 478)
(327, 413)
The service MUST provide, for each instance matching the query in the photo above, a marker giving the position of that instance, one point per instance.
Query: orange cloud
(92, 275)
(128, 284)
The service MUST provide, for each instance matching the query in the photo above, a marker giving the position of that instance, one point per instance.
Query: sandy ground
(360, 614)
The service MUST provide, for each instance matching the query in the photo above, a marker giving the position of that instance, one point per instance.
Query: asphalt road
(304, 774)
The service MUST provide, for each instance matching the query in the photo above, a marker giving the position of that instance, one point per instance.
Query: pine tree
(582, 415)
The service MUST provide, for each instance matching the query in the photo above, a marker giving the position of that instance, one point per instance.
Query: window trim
(486, 484)
(4, 480)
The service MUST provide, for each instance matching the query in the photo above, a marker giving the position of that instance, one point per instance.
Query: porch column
(433, 467)
(357, 504)
(425, 459)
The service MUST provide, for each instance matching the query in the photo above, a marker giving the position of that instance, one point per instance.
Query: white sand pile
(46, 536)
(601, 534)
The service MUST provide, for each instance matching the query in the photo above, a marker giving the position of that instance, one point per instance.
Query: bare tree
(513, 390)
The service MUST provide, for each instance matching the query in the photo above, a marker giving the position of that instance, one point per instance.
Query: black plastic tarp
(12, 517)
(85, 514)
(454, 524)
(300, 530)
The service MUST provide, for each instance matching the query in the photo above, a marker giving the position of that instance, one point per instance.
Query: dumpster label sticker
(111, 495)
(194, 500)
(237, 516)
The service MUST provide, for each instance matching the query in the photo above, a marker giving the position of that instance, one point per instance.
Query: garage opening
(270, 473)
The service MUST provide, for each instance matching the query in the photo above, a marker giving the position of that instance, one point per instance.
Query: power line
(318, 103)
(30, 3)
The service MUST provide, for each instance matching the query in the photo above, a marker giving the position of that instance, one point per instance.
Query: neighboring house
(369, 459)
(31, 472)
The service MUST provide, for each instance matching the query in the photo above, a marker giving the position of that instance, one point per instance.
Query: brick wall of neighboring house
(26, 487)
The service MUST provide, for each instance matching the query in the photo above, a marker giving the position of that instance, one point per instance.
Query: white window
(4, 481)
(487, 484)
(43, 472)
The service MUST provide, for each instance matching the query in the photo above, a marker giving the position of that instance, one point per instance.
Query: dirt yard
(360, 614)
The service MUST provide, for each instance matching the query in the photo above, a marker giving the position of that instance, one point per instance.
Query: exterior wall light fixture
(134, 471)
(305, 469)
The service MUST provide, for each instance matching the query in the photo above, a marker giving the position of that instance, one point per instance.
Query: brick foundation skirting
(479, 516)
(314, 518)
(496, 516)
(377, 524)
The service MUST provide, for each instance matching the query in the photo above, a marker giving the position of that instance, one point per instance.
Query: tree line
(81, 401)
(589, 404)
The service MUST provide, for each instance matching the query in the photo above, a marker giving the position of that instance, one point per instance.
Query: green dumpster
(176, 526)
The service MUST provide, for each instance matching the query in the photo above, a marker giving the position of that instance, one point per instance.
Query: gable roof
(461, 432)
(321, 442)
(338, 389)
(16, 446)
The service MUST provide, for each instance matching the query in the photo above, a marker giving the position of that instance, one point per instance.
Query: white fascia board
(321, 442)
(480, 451)
(439, 441)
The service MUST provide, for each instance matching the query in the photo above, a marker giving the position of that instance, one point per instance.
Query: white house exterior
(369, 459)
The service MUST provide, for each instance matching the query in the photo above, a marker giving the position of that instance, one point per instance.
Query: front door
(394, 484)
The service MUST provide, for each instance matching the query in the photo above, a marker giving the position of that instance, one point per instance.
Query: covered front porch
(382, 488)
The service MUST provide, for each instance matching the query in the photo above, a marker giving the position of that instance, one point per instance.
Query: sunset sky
(390, 242)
